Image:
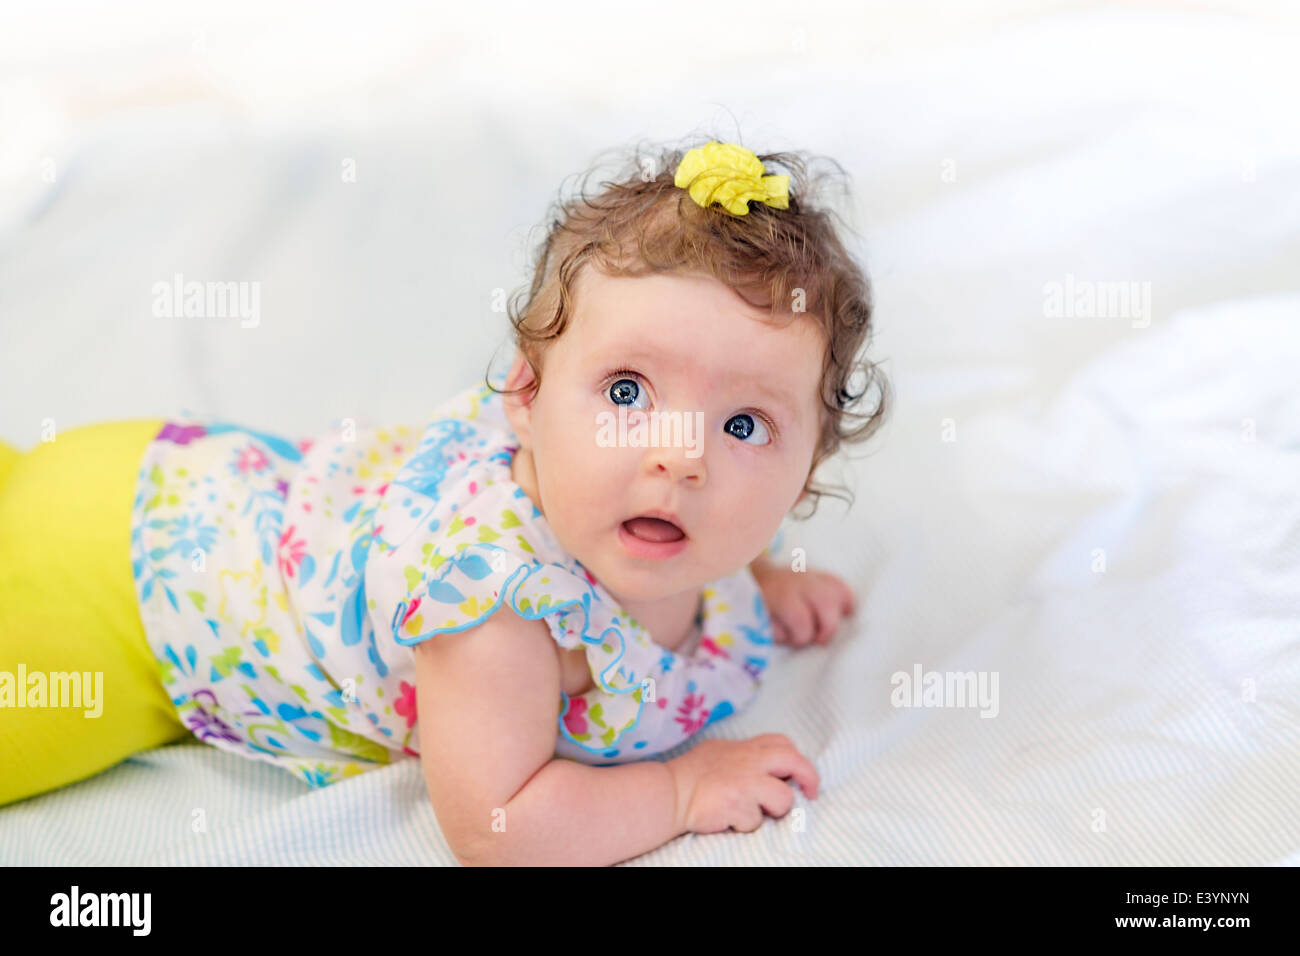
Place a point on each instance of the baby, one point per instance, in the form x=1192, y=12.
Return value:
x=565, y=571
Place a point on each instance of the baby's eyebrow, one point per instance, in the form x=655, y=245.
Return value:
x=778, y=396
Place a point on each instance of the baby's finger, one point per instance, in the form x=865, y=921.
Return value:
x=836, y=605
x=775, y=796
x=825, y=616
x=786, y=762
x=838, y=594
x=799, y=621
x=779, y=634
x=850, y=599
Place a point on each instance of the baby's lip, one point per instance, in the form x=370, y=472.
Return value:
x=663, y=516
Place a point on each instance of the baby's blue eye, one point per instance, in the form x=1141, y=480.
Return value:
x=625, y=391
x=743, y=426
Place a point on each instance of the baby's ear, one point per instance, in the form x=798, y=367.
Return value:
x=518, y=406
x=520, y=374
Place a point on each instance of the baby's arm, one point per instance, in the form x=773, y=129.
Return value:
x=488, y=702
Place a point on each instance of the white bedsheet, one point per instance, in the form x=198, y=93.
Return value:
x=1102, y=512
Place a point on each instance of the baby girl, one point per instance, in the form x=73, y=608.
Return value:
x=530, y=601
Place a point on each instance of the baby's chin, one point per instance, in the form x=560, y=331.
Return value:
x=646, y=583
x=638, y=592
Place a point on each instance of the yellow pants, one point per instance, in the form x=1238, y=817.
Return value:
x=68, y=604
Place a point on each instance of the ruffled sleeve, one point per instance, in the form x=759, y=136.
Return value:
x=635, y=711
x=646, y=699
x=439, y=594
x=449, y=556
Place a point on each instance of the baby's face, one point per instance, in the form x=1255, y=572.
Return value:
x=745, y=394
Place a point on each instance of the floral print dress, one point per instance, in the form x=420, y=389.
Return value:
x=283, y=585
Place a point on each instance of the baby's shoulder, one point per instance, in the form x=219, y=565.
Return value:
x=495, y=659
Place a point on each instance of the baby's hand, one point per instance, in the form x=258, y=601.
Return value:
x=725, y=784
x=805, y=606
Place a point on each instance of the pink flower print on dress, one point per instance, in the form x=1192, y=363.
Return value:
x=574, y=722
x=410, y=611
x=405, y=705
x=251, y=459
x=713, y=648
x=289, y=554
x=690, y=724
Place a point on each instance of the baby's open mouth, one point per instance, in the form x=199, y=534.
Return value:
x=653, y=529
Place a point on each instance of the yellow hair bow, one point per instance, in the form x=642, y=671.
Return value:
x=730, y=175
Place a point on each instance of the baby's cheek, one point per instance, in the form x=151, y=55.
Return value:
x=596, y=479
x=741, y=522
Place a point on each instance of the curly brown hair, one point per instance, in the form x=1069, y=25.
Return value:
x=787, y=261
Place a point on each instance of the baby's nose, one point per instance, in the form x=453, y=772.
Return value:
x=680, y=461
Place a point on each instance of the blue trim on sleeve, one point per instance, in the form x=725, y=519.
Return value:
x=514, y=581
